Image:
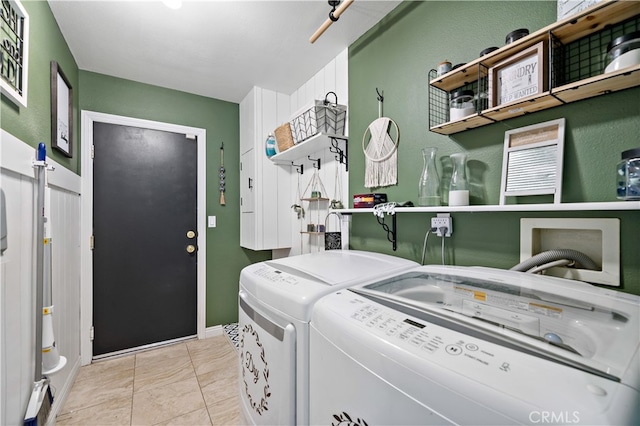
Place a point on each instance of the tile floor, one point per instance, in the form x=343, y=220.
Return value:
x=187, y=383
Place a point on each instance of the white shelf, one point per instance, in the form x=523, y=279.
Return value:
x=306, y=147
x=550, y=207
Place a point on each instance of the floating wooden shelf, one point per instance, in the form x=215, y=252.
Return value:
x=550, y=207
x=588, y=22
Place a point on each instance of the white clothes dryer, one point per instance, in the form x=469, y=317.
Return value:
x=276, y=299
x=475, y=346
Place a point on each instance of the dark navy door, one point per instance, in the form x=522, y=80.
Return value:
x=144, y=219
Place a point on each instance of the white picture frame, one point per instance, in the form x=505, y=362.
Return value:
x=14, y=52
x=532, y=161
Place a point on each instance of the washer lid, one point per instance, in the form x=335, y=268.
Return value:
x=333, y=267
x=292, y=285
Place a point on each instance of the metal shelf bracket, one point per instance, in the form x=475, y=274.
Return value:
x=342, y=156
x=379, y=212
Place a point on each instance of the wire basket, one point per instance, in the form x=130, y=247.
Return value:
x=323, y=116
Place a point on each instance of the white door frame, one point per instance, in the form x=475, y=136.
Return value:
x=86, y=256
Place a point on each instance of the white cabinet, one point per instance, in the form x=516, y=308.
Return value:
x=265, y=189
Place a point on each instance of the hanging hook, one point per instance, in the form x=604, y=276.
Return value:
x=316, y=162
x=299, y=168
x=333, y=4
x=380, y=101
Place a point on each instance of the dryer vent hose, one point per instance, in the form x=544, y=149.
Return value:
x=582, y=260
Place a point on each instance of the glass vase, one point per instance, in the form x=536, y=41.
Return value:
x=429, y=184
x=459, y=186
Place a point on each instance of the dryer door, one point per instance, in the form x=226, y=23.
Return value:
x=267, y=365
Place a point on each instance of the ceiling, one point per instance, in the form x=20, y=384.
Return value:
x=214, y=48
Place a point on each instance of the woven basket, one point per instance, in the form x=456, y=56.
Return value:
x=284, y=138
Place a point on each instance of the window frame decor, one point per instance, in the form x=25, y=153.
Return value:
x=538, y=81
x=14, y=51
x=61, y=111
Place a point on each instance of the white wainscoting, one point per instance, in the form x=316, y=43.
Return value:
x=332, y=78
x=17, y=274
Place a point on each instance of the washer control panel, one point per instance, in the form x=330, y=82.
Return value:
x=426, y=338
x=275, y=275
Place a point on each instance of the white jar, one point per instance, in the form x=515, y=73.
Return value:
x=461, y=105
x=623, y=52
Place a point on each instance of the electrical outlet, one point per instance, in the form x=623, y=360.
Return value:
x=442, y=221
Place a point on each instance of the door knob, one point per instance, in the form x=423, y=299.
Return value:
x=191, y=234
x=191, y=249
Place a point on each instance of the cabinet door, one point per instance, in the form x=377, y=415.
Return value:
x=247, y=182
x=247, y=200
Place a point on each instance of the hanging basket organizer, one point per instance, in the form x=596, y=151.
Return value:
x=332, y=239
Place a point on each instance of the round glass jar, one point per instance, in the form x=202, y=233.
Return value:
x=628, y=175
x=623, y=52
x=461, y=104
x=516, y=35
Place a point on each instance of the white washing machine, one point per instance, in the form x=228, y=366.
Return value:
x=475, y=346
x=275, y=304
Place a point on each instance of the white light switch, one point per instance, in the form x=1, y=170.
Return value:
x=212, y=221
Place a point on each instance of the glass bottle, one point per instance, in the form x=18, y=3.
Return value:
x=270, y=146
x=429, y=184
x=459, y=187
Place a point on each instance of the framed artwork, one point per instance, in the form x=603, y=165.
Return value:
x=532, y=161
x=14, y=51
x=61, y=111
x=518, y=77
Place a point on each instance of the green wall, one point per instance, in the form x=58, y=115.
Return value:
x=220, y=119
x=396, y=55
x=101, y=93
x=33, y=124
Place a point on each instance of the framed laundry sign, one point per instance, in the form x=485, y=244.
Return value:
x=518, y=77
x=61, y=111
x=532, y=161
x=14, y=51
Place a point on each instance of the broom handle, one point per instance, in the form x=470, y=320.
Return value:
x=39, y=268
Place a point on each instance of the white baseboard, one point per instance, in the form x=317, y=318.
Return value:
x=60, y=395
x=214, y=331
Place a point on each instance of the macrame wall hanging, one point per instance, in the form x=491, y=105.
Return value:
x=381, y=151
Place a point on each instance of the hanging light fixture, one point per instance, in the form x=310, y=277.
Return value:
x=333, y=16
